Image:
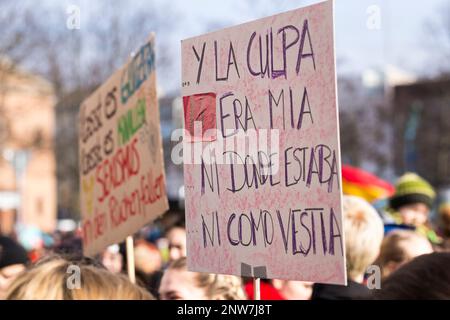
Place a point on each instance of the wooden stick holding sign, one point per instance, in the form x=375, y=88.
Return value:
x=256, y=289
x=130, y=259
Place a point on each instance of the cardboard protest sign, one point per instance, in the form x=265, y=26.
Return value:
x=122, y=178
x=261, y=149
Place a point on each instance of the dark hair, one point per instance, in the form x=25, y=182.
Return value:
x=425, y=277
x=11, y=252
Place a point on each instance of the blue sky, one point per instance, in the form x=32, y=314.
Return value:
x=401, y=39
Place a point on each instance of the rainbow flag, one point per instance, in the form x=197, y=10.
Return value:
x=358, y=182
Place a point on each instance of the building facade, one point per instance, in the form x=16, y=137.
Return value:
x=27, y=161
x=421, y=114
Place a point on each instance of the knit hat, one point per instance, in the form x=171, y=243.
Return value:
x=11, y=253
x=411, y=188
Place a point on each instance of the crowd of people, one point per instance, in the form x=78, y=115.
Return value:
x=404, y=241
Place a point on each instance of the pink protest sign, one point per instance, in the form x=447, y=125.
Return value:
x=263, y=198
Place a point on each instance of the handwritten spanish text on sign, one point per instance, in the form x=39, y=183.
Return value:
x=263, y=196
x=121, y=164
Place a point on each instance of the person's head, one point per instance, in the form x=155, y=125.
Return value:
x=399, y=247
x=293, y=290
x=177, y=243
x=413, y=199
x=179, y=284
x=147, y=257
x=425, y=277
x=444, y=218
x=112, y=259
x=363, y=233
x=60, y=279
x=13, y=260
x=69, y=243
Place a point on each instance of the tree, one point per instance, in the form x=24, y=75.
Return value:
x=437, y=37
x=16, y=23
x=76, y=61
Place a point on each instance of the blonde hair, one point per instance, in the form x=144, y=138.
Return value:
x=216, y=286
x=394, y=248
x=363, y=231
x=50, y=280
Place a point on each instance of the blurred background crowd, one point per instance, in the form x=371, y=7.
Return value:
x=394, y=97
x=409, y=250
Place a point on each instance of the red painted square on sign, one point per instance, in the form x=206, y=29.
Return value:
x=200, y=117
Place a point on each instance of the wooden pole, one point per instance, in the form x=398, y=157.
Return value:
x=256, y=289
x=130, y=259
